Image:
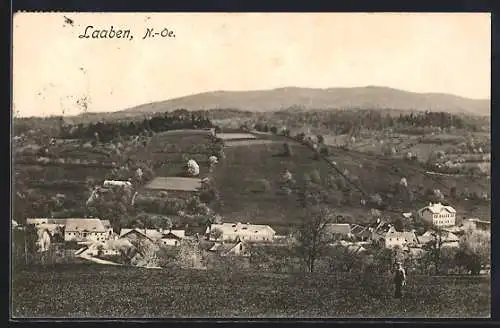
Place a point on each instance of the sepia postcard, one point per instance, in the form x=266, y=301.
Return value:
x=251, y=165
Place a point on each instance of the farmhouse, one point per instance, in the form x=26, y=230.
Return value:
x=86, y=230
x=403, y=239
x=245, y=232
x=239, y=248
x=173, y=238
x=79, y=229
x=438, y=214
x=448, y=239
x=166, y=237
x=339, y=230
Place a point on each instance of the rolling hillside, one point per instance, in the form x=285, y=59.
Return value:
x=308, y=99
x=249, y=183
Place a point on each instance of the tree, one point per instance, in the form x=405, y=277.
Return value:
x=300, y=136
x=274, y=130
x=453, y=192
x=474, y=250
x=165, y=223
x=313, y=236
x=398, y=224
x=216, y=233
x=320, y=138
x=24, y=244
x=434, y=248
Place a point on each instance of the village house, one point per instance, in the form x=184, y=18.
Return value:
x=401, y=239
x=173, y=237
x=476, y=224
x=448, y=239
x=75, y=229
x=98, y=249
x=38, y=221
x=245, y=232
x=86, y=230
x=339, y=230
x=438, y=214
x=238, y=248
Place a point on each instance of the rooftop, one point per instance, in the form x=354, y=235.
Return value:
x=246, y=228
x=175, y=184
x=87, y=225
x=437, y=208
x=154, y=234
x=339, y=228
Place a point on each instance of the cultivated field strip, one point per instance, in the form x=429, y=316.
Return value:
x=249, y=142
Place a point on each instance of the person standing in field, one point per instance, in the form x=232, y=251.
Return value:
x=399, y=280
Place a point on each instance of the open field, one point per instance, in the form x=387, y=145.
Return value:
x=235, y=136
x=90, y=290
x=175, y=183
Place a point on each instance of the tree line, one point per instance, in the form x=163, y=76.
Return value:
x=345, y=122
x=106, y=131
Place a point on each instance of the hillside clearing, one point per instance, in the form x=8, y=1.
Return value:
x=264, y=163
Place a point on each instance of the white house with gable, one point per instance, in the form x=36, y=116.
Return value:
x=243, y=231
x=438, y=214
x=86, y=230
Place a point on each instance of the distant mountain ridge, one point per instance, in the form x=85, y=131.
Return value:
x=370, y=97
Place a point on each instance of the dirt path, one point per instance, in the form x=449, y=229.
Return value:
x=444, y=174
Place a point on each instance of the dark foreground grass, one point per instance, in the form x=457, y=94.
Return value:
x=102, y=291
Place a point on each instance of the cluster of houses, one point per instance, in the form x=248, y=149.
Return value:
x=233, y=238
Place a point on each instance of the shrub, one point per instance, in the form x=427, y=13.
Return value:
x=288, y=149
x=259, y=186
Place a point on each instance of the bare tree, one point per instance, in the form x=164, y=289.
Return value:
x=313, y=236
x=216, y=234
x=435, y=246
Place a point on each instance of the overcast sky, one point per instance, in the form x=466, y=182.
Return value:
x=53, y=68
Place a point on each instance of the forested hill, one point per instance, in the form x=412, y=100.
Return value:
x=321, y=99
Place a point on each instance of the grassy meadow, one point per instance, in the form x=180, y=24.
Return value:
x=90, y=290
